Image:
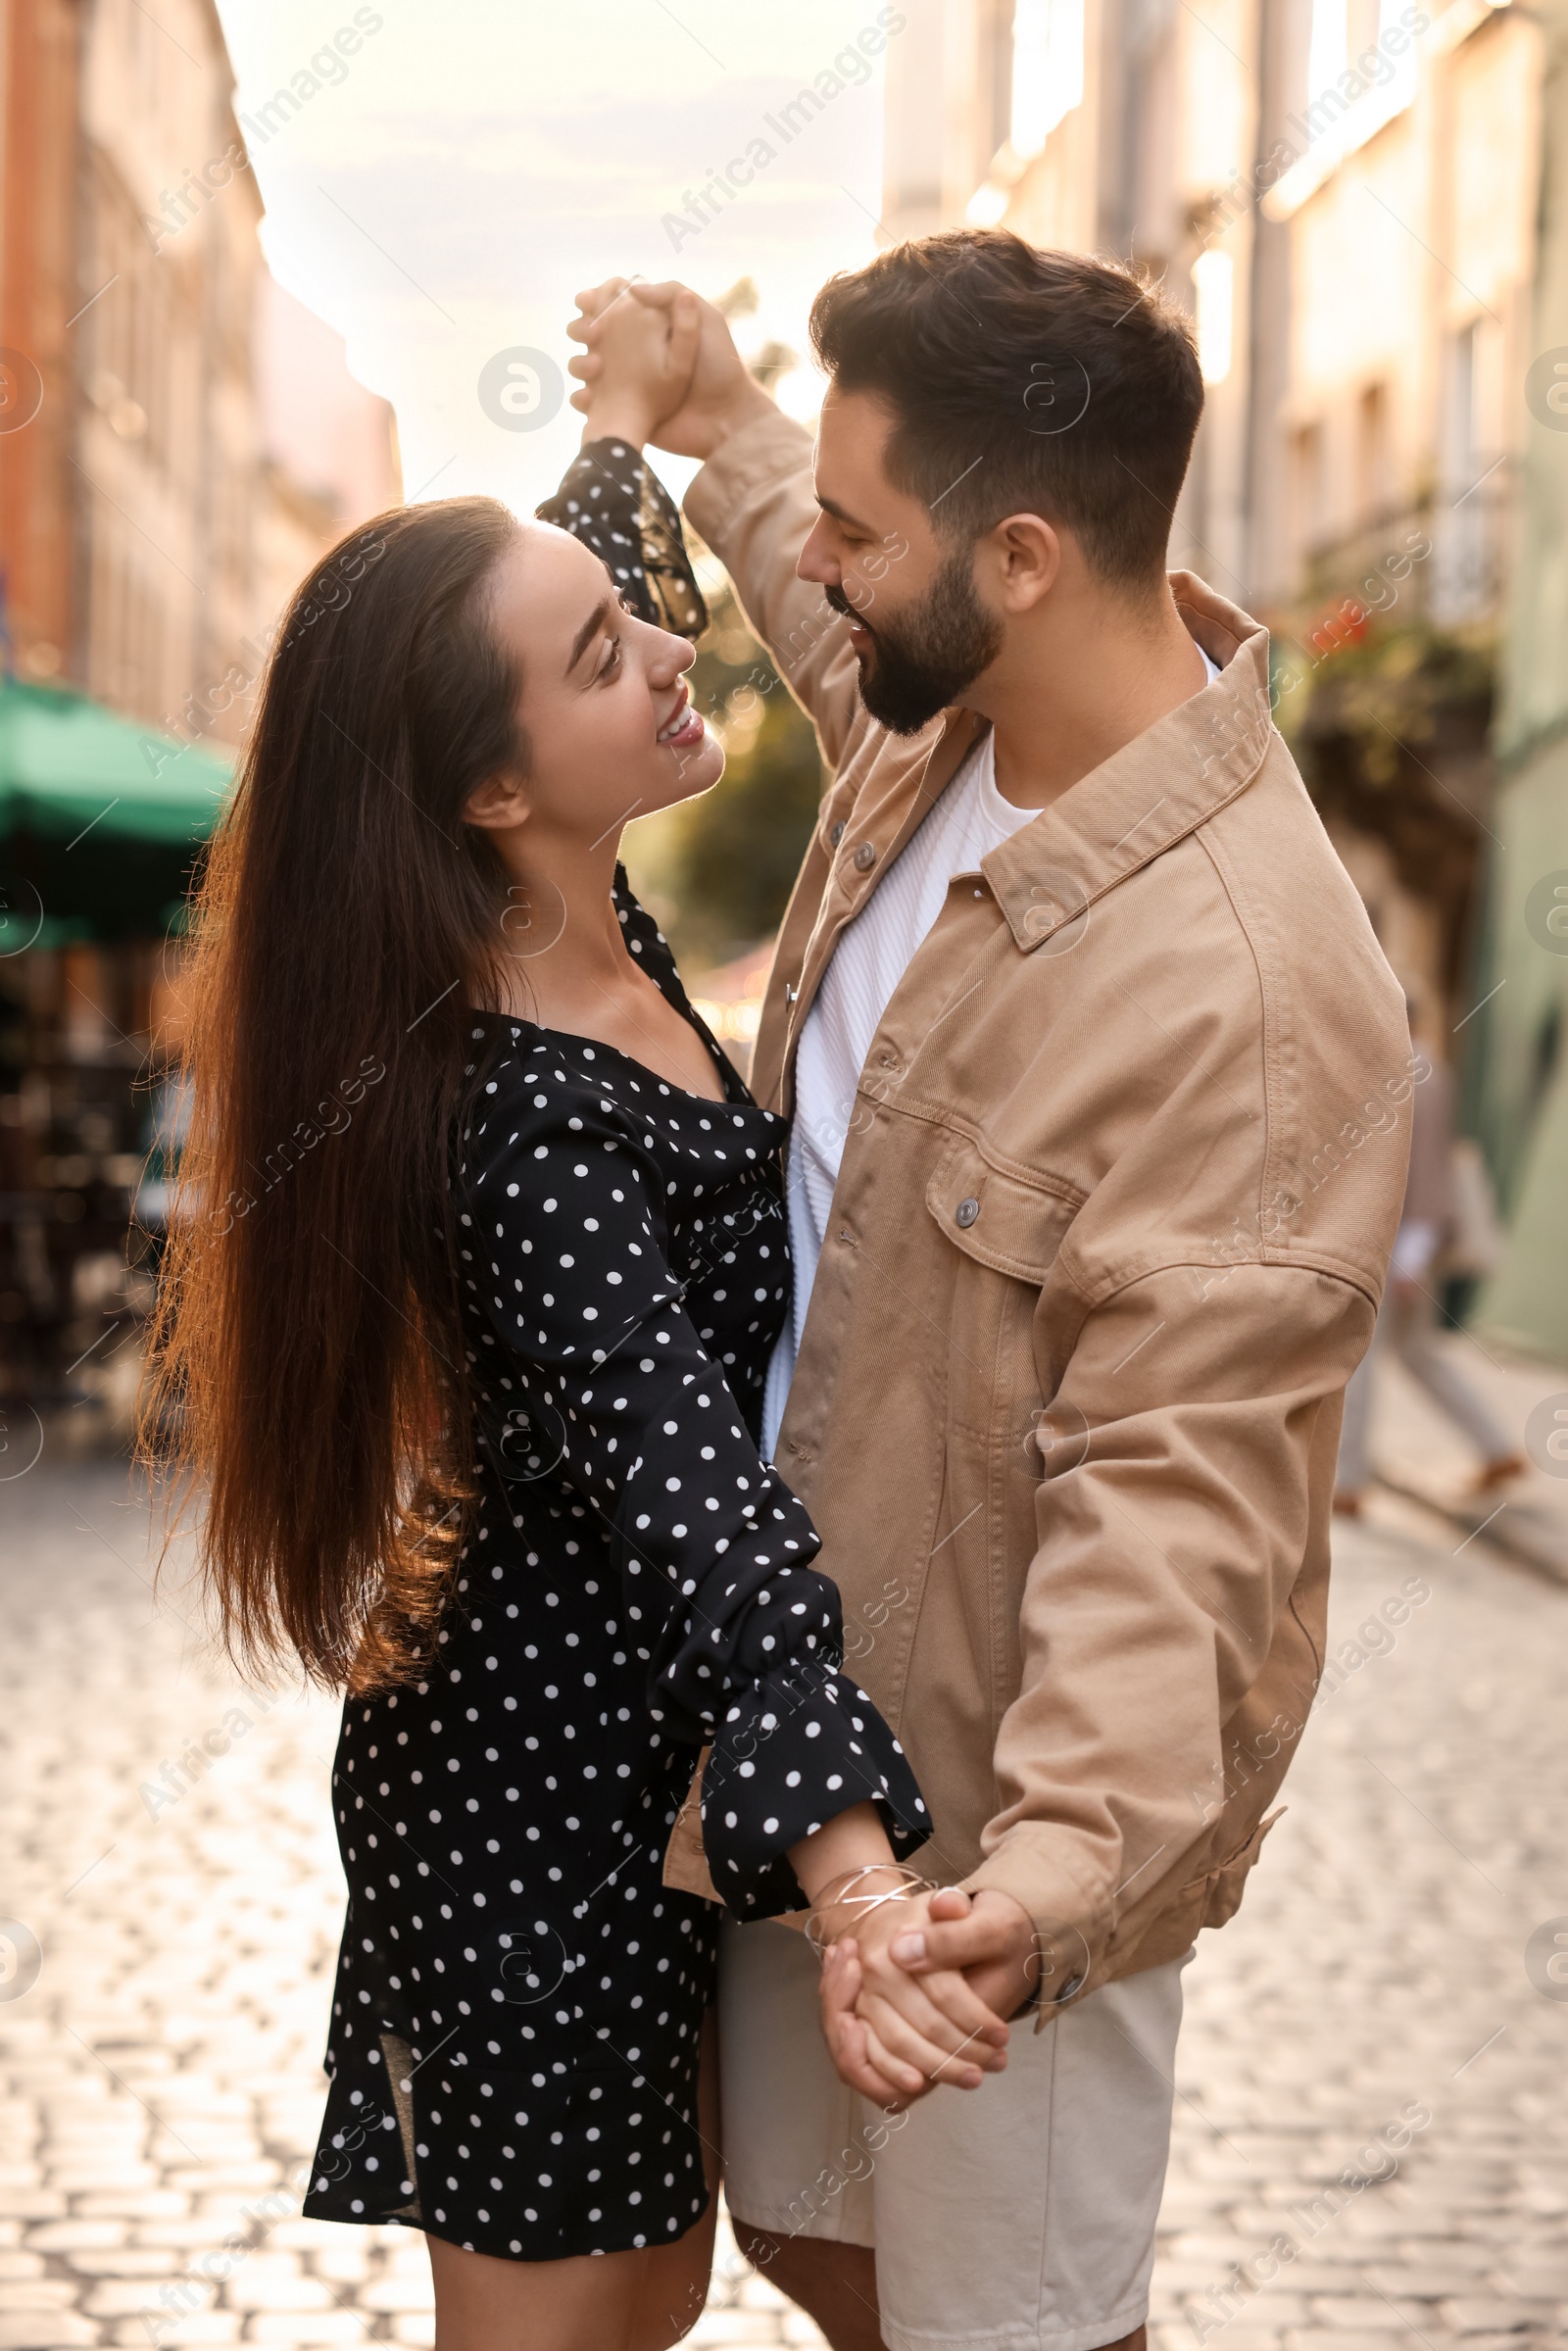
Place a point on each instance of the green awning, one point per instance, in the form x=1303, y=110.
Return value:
x=69, y=766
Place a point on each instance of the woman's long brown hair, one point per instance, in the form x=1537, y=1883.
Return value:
x=307, y=1361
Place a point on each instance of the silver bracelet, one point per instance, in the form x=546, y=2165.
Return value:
x=863, y=1905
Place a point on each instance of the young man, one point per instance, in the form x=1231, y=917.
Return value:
x=1096, y=1075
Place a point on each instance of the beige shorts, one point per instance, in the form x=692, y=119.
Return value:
x=1016, y=2215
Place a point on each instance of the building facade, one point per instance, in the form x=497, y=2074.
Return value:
x=159, y=495
x=168, y=436
x=1347, y=198
x=1519, y=1073
x=1341, y=192
x=40, y=100
x=179, y=442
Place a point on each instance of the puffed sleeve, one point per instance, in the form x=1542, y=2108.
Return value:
x=562, y=1229
x=615, y=501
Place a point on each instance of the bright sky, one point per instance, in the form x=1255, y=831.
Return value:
x=443, y=193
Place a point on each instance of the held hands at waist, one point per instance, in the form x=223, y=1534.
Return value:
x=915, y=1987
x=892, y=2037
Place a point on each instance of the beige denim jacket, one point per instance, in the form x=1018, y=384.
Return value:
x=1117, y=1195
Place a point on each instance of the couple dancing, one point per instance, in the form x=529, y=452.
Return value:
x=568, y=1398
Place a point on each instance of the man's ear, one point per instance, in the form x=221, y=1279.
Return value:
x=1023, y=554
x=499, y=804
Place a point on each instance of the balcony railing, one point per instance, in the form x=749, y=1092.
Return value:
x=1442, y=560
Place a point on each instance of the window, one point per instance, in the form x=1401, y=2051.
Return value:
x=1047, y=69
x=1306, y=521
x=1471, y=519
x=1343, y=105
x=1372, y=486
x=1463, y=437
x=1330, y=49
x=1214, y=290
x=996, y=76
x=1344, y=31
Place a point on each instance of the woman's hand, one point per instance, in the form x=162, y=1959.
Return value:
x=895, y=2038
x=844, y=1869
x=890, y=2036
x=640, y=361
x=718, y=395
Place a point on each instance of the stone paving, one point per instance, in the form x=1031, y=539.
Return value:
x=1371, y=2142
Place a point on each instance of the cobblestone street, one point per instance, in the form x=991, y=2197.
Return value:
x=1371, y=2142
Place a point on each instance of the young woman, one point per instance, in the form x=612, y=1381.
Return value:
x=465, y=1319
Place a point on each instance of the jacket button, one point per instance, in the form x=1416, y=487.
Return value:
x=865, y=857
x=966, y=1212
x=836, y=834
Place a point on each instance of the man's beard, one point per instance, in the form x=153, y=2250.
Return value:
x=924, y=657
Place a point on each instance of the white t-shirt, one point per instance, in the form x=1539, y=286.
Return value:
x=970, y=819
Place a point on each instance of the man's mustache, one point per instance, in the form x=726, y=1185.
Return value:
x=841, y=603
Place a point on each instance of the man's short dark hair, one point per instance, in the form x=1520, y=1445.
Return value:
x=1023, y=381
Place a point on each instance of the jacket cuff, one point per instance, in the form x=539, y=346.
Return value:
x=769, y=449
x=1072, y=1924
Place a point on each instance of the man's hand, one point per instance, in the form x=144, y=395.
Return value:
x=721, y=395
x=892, y=2037
x=989, y=1936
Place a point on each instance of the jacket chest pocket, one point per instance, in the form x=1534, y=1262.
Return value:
x=1001, y=1225
x=1009, y=1222
x=1003, y=1233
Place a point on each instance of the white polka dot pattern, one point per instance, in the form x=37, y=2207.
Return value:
x=635, y=1583
x=615, y=504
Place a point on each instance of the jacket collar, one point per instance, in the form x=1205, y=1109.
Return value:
x=914, y=776
x=1152, y=791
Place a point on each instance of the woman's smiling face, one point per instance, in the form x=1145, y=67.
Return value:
x=610, y=728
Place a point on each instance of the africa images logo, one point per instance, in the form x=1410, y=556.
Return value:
x=1547, y=389
x=521, y=389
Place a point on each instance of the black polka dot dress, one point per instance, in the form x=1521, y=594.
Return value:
x=519, y=1996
